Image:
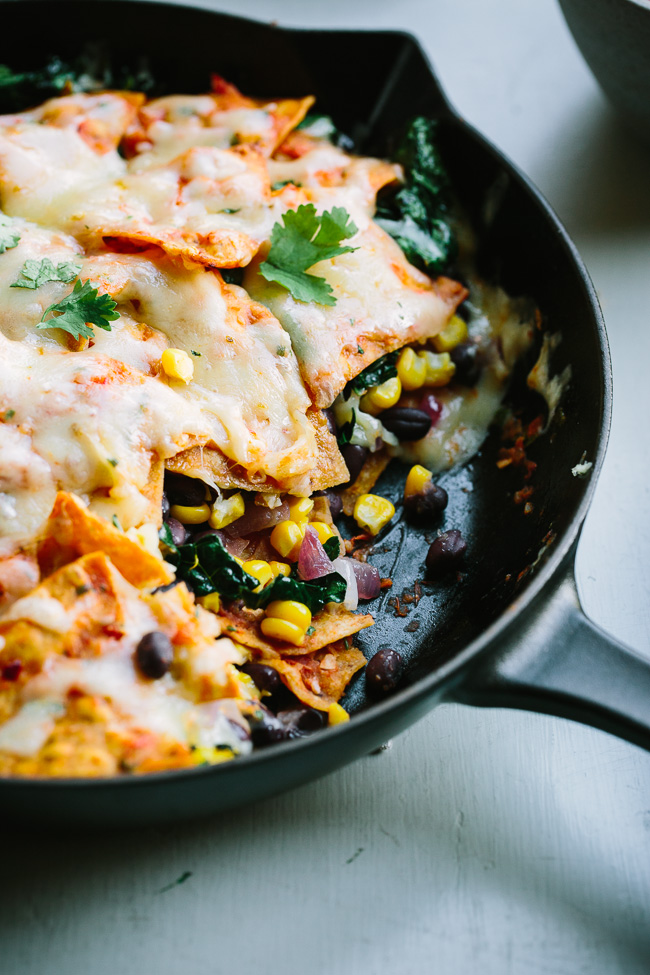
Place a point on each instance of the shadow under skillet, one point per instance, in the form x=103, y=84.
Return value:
x=597, y=177
x=149, y=889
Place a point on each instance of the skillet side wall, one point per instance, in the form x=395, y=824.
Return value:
x=521, y=248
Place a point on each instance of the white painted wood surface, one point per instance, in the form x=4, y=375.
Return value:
x=495, y=842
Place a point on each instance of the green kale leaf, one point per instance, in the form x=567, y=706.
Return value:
x=375, y=374
x=417, y=216
x=8, y=236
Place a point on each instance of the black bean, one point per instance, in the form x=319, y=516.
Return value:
x=177, y=531
x=406, y=423
x=354, y=457
x=426, y=505
x=266, y=729
x=336, y=504
x=154, y=654
x=446, y=552
x=302, y=719
x=165, y=505
x=468, y=364
x=206, y=532
x=266, y=678
x=242, y=733
x=184, y=490
x=331, y=422
x=384, y=672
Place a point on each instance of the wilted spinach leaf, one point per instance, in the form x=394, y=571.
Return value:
x=417, y=216
x=376, y=373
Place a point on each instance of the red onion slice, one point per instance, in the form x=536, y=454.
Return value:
x=368, y=579
x=313, y=561
x=344, y=568
x=256, y=518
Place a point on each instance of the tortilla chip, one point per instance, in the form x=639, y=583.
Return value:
x=73, y=530
x=78, y=611
x=330, y=467
x=319, y=680
x=210, y=464
x=280, y=117
x=370, y=473
x=331, y=624
x=217, y=249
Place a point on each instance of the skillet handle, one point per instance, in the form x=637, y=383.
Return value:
x=558, y=662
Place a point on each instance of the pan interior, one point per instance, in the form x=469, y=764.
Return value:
x=521, y=248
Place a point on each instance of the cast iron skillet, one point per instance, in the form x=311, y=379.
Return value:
x=511, y=631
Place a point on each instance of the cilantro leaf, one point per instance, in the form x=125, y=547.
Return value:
x=8, y=236
x=83, y=307
x=417, y=215
x=35, y=273
x=302, y=240
x=376, y=373
x=91, y=71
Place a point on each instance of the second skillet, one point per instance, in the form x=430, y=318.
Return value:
x=511, y=632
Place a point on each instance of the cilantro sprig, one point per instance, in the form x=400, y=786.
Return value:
x=9, y=237
x=35, y=273
x=83, y=307
x=303, y=239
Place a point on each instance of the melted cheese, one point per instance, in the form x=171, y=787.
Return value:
x=503, y=330
x=92, y=421
x=382, y=303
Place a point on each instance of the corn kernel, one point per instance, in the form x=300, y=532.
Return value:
x=382, y=397
x=260, y=570
x=372, y=512
x=439, y=369
x=247, y=687
x=238, y=560
x=227, y=510
x=416, y=481
x=452, y=335
x=300, y=509
x=280, y=569
x=286, y=538
x=276, y=629
x=323, y=530
x=177, y=365
x=211, y=602
x=211, y=756
x=190, y=514
x=291, y=611
x=336, y=714
x=411, y=369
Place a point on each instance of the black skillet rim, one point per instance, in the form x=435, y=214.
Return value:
x=514, y=610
